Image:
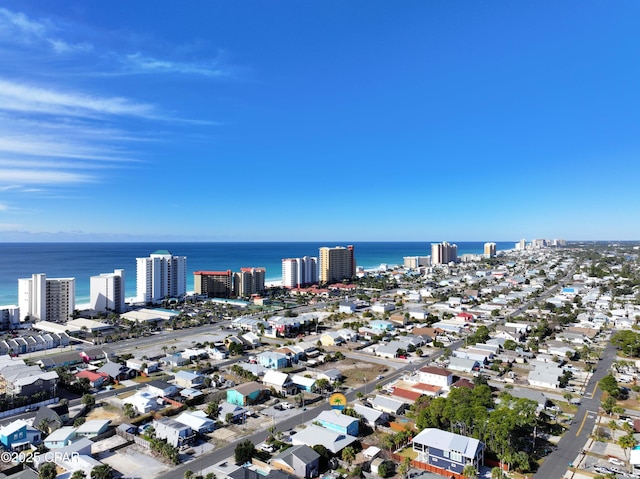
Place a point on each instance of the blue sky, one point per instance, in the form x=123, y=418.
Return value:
x=317, y=120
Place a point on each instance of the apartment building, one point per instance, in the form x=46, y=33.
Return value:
x=248, y=281
x=444, y=253
x=161, y=275
x=46, y=299
x=107, y=292
x=299, y=272
x=213, y=284
x=336, y=264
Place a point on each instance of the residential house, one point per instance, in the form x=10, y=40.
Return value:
x=143, y=402
x=300, y=460
x=280, y=382
x=174, y=360
x=332, y=440
x=381, y=325
x=388, y=405
x=197, y=421
x=436, y=376
x=331, y=375
x=54, y=416
x=448, y=451
x=247, y=394
x=189, y=379
x=304, y=383
x=96, y=380
x=463, y=364
x=145, y=366
x=174, y=432
x=371, y=417
x=251, y=340
x=161, y=388
x=13, y=436
x=338, y=422
x=545, y=375
x=273, y=360
x=93, y=428
x=238, y=413
x=331, y=338
x=60, y=437
x=117, y=372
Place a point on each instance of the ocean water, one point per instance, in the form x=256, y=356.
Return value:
x=83, y=260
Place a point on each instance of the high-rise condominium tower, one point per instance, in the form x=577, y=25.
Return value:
x=107, y=292
x=160, y=276
x=489, y=250
x=248, y=281
x=444, y=253
x=298, y=272
x=337, y=264
x=46, y=299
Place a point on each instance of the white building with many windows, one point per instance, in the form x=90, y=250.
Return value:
x=161, y=275
x=46, y=299
x=298, y=272
x=107, y=292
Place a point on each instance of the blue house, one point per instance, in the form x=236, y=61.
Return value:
x=381, y=325
x=339, y=422
x=14, y=435
x=272, y=360
x=448, y=451
x=247, y=394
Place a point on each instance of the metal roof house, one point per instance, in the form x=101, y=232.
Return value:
x=448, y=451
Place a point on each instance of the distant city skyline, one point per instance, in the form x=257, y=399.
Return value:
x=307, y=121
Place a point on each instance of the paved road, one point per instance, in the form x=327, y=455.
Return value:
x=575, y=439
x=220, y=454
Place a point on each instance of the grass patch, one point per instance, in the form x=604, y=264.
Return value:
x=408, y=452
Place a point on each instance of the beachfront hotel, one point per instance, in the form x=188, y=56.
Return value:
x=299, y=272
x=213, y=284
x=46, y=299
x=248, y=281
x=107, y=292
x=336, y=264
x=489, y=250
x=444, y=253
x=161, y=276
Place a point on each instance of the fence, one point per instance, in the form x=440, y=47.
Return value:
x=22, y=409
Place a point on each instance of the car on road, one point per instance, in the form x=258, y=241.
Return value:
x=31, y=409
x=602, y=470
x=379, y=376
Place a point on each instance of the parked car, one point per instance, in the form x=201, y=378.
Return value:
x=287, y=405
x=615, y=461
x=270, y=448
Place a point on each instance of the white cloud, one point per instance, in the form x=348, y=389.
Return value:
x=138, y=63
x=20, y=97
x=12, y=176
x=61, y=47
x=12, y=23
x=4, y=207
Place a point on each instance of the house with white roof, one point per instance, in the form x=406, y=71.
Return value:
x=448, y=451
x=197, y=421
x=304, y=383
x=280, y=382
x=388, y=405
x=332, y=440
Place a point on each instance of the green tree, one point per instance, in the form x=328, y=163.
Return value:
x=89, y=401
x=386, y=469
x=78, y=474
x=102, y=471
x=188, y=474
x=47, y=471
x=470, y=472
x=609, y=404
x=129, y=410
x=212, y=409
x=627, y=442
x=348, y=454
x=244, y=452
x=403, y=470
x=610, y=385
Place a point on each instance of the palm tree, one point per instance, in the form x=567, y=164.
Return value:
x=78, y=474
x=47, y=471
x=496, y=473
x=469, y=471
x=627, y=442
x=613, y=425
x=102, y=471
x=348, y=454
x=188, y=474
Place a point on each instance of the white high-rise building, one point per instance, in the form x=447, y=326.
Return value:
x=444, y=253
x=521, y=245
x=107, y=292
x=9, y=317
x=46, y=299
x=160, y=276
x=298, y=272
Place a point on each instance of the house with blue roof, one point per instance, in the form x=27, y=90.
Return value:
x=272, y=360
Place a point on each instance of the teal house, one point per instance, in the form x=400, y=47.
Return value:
x=247, y=394
x=14, y=435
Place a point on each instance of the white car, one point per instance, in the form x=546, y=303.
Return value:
x=616, y=461
x=287, y=405
x=270, y=448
